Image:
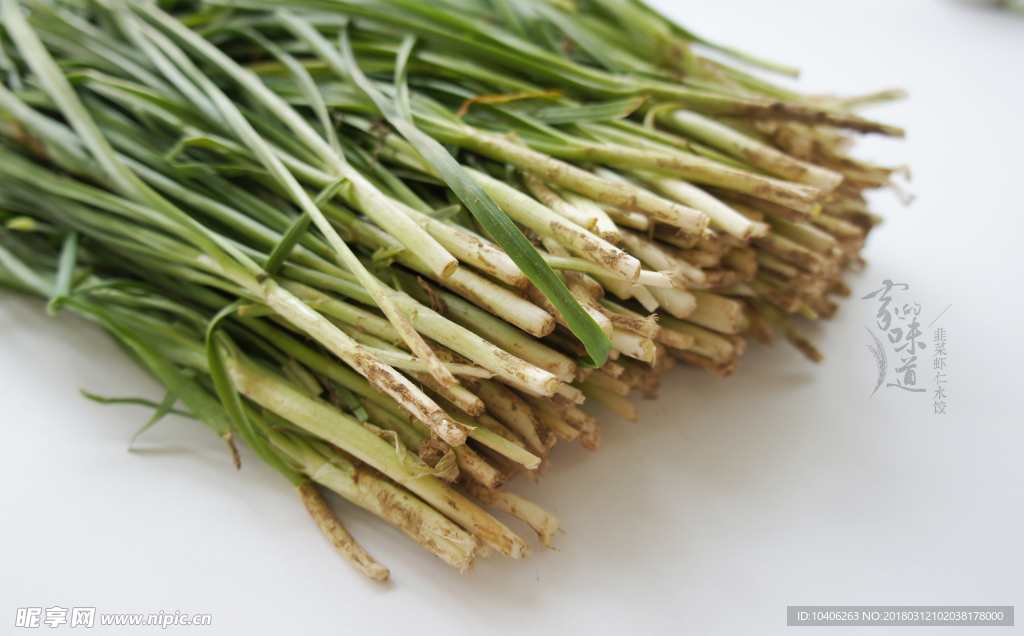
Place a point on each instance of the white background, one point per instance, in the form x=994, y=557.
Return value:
x=783, y=485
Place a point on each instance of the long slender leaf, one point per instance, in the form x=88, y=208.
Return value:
x=596, y=112
x=287, y=244
x=216, y=349
x=99, y=399
x=299, y=227
x=162, y=410
x=194, y=396
x=65, y=272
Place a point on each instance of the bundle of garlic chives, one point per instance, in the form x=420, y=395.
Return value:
x=571, y=198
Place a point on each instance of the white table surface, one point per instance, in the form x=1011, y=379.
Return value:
x=731, y=499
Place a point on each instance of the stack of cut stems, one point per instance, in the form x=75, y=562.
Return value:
x=395, y=246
